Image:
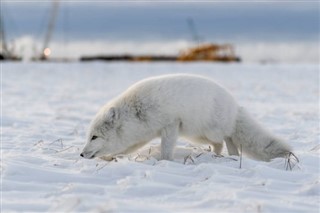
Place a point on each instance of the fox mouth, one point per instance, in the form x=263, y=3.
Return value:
x=89, y=155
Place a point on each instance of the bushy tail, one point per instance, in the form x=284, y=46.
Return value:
x=255, y=141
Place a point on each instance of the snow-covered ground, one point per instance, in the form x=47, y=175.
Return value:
x=46, y=108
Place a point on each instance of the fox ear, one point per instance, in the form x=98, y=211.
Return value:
x=112, y=115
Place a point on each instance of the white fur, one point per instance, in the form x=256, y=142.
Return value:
x=170, y=106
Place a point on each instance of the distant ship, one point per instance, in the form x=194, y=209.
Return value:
x=200, y=52
x=203, y=52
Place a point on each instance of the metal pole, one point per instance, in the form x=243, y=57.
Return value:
x=51, y=25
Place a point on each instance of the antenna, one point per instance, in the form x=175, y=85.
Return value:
x=193, y=30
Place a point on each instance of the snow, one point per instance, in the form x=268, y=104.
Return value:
x=46, y=108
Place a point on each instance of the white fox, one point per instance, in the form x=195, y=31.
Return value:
x=193, y=107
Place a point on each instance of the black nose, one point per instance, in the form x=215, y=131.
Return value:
x=81, y=154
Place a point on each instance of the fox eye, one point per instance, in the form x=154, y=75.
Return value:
x=94, y=137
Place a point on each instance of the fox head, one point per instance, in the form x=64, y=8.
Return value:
x=104, y=135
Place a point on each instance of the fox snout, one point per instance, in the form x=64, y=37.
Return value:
x=89, y=155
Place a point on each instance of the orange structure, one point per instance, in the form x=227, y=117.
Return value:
x=209, y=52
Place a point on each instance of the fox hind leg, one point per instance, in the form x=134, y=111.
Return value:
x=217, y=148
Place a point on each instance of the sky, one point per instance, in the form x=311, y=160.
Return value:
x=246, y=22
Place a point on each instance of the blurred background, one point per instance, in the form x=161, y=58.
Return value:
x=46, y=107
x=274, y=32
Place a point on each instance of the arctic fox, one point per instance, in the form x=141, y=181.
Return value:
x=190, y=106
